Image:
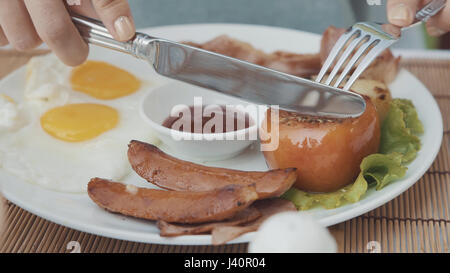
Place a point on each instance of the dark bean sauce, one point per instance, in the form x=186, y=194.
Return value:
x=239, y=120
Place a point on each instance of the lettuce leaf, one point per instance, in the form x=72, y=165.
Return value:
x=376, y=169
x=400, y=129
x=382, y=169
x=399, y=145
x=351, y=193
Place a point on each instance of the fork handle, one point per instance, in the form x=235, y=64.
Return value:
x=94, y=32
x=427, y=12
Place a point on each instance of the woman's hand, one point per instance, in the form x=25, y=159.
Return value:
x=402, y=13
x=26, y=23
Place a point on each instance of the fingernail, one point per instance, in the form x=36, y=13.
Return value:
x=434, y=31
x=399, y=14
x=124, y=28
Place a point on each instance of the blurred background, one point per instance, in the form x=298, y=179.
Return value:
x=308, y=15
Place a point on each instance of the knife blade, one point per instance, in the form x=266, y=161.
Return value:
x=230, y=76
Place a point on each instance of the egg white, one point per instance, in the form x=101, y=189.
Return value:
x=35, y=156
x=9, y=114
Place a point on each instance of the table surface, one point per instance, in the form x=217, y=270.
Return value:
x=416, y=221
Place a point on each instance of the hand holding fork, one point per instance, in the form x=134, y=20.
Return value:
x=361, y=44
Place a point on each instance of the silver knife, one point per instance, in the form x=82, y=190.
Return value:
x=230, y=76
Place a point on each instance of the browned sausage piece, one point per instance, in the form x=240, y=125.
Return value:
x=171, y=206
x=268, y=207
x=174, y=174
x=169, y=229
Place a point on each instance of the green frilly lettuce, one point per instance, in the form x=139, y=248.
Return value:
x=304, y=200
x=400, y=129
x=399, y=145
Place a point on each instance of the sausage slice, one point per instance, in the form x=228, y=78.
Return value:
x=223, y=234
x=174, y=174
x=171, y=206
x=170, y=229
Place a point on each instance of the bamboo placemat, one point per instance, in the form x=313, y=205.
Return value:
x=416, y=221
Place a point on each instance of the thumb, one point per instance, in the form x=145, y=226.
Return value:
x=116, y=15
x=401, y=12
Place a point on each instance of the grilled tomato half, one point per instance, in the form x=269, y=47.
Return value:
x=326, y=152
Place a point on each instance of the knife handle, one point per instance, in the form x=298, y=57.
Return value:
x=94, y=32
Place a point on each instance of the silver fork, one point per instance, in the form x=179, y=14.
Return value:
x=368, y=40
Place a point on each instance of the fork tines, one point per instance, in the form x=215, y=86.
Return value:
x=353, y=52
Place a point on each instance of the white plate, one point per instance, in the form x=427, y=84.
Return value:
x=79, y=212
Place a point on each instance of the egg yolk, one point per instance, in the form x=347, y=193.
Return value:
x=79, y=122
x=103, y=81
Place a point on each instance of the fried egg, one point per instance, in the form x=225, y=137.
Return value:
x=76, y=125
x=103, y=81
x=9, y=113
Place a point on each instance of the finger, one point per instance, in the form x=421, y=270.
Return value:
x=55, y=27
x=84, y=8
x=3, y=40
x=440, y=23
x=17, y=25
x=116, y=15
x=393, y=30
x=402, y=12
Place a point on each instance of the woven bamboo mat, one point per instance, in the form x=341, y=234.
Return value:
x=416, y=221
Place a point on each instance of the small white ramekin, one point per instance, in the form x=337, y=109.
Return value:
x=157, y=105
